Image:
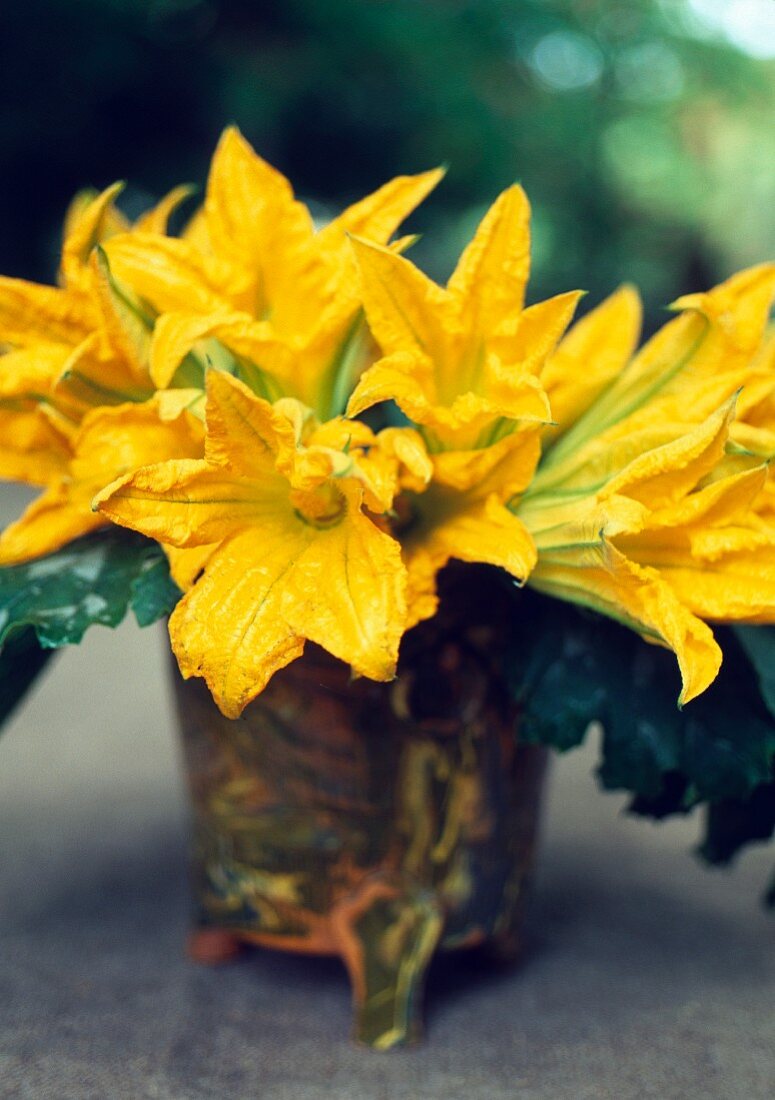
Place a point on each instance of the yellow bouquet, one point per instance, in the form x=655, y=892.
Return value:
x=301, y=432
x=213, y=392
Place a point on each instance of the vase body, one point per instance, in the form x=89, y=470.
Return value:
x=377, y=822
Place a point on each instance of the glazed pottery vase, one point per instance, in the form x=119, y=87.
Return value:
x=376, y=822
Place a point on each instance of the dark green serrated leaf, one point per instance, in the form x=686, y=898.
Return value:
x=729, y=738
x=581, y=668
x=721, y=743
x=641, y=721
x=154, y=593
x=555, y=673
x=676, y=796
x=758, y=643
x=92, y=580
x=570, y=668
x=22, y=659
x=733, y=823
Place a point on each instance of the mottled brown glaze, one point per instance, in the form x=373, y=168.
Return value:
x=376, y=822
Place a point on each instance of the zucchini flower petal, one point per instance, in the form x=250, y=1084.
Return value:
x=462, y=361
x=288, y=554
x=109, y=442
x=255, y=277
x=463, y=514
x=645, y=504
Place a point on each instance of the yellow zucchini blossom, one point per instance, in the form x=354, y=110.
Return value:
x=206, y=391
x=637, y=508
x=293, y=555
x=77, y=405
x=109, y=442
x=71, y=347
x=463, y=514
x=753, y=432
x=41, y=328
x=254, y=287
x=463, y=363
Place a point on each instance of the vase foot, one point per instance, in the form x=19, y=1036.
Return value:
x=507, y=944
x=387, y=936
x=506, y=949
x=211, y=946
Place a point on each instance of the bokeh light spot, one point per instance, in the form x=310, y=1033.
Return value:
x=565, y=61
x=649, y=71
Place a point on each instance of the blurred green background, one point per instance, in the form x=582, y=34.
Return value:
x=642, y=129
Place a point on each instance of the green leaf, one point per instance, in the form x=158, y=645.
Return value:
x=758, y=642
x=92, y=580
x=735, y=822
x=555, y=673
x=154, y=593
x=22, y=658
x=729, y=733
x=641, y=722
x=676, y=796
x=571, y=667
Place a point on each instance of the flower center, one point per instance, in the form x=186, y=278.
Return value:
x=321, y=507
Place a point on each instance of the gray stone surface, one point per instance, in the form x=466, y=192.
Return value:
x=648, y=977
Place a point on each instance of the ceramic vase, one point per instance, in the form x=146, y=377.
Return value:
x=377, y=822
